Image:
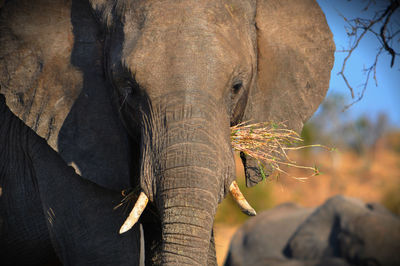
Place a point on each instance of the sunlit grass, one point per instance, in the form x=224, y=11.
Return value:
x=269, y=144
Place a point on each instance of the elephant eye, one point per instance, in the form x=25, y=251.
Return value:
x=237, y=87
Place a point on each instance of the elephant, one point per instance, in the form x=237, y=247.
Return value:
x=342, y=231
x=265, y=236
x=50, y=190
x=142, y=94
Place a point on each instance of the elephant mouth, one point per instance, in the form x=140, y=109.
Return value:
x=142, y=201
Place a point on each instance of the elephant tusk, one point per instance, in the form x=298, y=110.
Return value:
x=240, y=200
x=134, y=216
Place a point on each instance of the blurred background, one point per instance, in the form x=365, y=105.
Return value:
x=363, y=130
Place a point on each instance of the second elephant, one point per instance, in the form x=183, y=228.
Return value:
x=343, y=231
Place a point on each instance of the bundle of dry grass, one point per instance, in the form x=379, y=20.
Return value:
x=269, y=143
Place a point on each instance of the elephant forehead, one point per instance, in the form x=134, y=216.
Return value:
x=170, y=12
x=180, y=62
x=187, y=51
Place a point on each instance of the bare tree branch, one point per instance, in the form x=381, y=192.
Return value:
x=382, y=19
x=368, y=70
x=391, y=9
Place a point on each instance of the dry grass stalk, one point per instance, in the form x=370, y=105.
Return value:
x=269, y=143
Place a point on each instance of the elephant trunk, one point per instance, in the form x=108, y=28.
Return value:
x=187, y=198
x=193, y=165
x=186, y=226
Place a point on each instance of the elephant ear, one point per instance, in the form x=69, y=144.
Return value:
x=51, y=72
x=295, y=58
x=36, y=76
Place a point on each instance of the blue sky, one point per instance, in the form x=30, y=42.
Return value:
x=377, y=99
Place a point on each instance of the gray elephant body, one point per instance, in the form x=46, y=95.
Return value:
x=130, y=93
x=345, y=227
x=55, y=209
x=266, y=235
x=343, y=231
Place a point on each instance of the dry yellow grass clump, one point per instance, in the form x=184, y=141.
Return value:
x=269, y=144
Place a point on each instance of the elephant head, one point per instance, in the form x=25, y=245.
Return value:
x=182, y=73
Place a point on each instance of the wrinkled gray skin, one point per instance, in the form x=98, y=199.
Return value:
x=342, y=231
x=176, y=75
x=265, y=236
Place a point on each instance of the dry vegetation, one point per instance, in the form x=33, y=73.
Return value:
x=269, y=144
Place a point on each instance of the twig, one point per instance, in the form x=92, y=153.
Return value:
x=268, y=143
x=366, y=25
